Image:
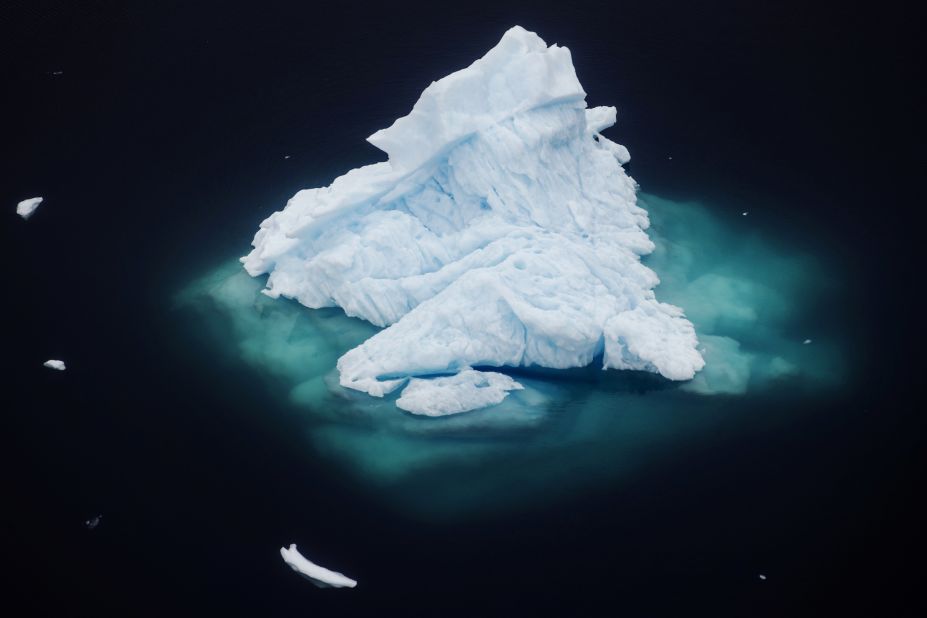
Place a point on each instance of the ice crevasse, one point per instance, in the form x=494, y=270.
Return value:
x=502, y=231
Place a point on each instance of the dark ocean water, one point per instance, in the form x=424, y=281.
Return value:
x=161, y=147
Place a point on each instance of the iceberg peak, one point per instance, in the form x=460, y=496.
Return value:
x=520, y=73
x=502, y=232
x=318, y=575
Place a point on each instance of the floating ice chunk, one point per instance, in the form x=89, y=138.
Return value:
x=744, y=213
x=26, y=207
x=465, y=391
x=320, y=576
x=763, y=577
x=54, y=364
x=502, y=231
x=286, y=156
x=806, y=342
x=93, y=522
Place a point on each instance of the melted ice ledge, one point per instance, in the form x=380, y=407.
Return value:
x=502, y=231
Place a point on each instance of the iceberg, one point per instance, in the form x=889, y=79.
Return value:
x=26, y=207
x=502, y=231
x=320, y=576
x=54, y=364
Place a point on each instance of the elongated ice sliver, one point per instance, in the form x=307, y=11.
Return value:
x=320, y=576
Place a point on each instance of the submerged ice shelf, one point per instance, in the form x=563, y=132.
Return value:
x=502, y=232
x=750, y=296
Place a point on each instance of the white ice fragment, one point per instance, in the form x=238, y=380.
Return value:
x=54, y=364
x=465, y=391
x=320, y=576
x=57, y=73
x=806, y=342
x=93, y=522
x=26, y=207
x=286, y=156
x=744, y=213
x=763, y=577
x=503, y=231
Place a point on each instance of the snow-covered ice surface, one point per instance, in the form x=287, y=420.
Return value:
x=320, y=576
x=54, y=364
x=502, y=232
x=26, y=207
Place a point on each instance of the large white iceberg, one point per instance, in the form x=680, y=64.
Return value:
x=320, y=576
x=501, y=232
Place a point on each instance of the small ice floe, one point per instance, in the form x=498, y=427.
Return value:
x=93, y=522
x=744, y=213
x=806, y=342
x=286, y=156
x=763, y=577
x=320, y=576
x=57, y=73
x=54, y=364
x=26, y=207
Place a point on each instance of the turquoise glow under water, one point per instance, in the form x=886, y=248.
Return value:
x=568, y=430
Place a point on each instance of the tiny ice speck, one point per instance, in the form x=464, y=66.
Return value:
x=54, y=364
x=93, y=522
x=806, y=342
x=763, y=577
